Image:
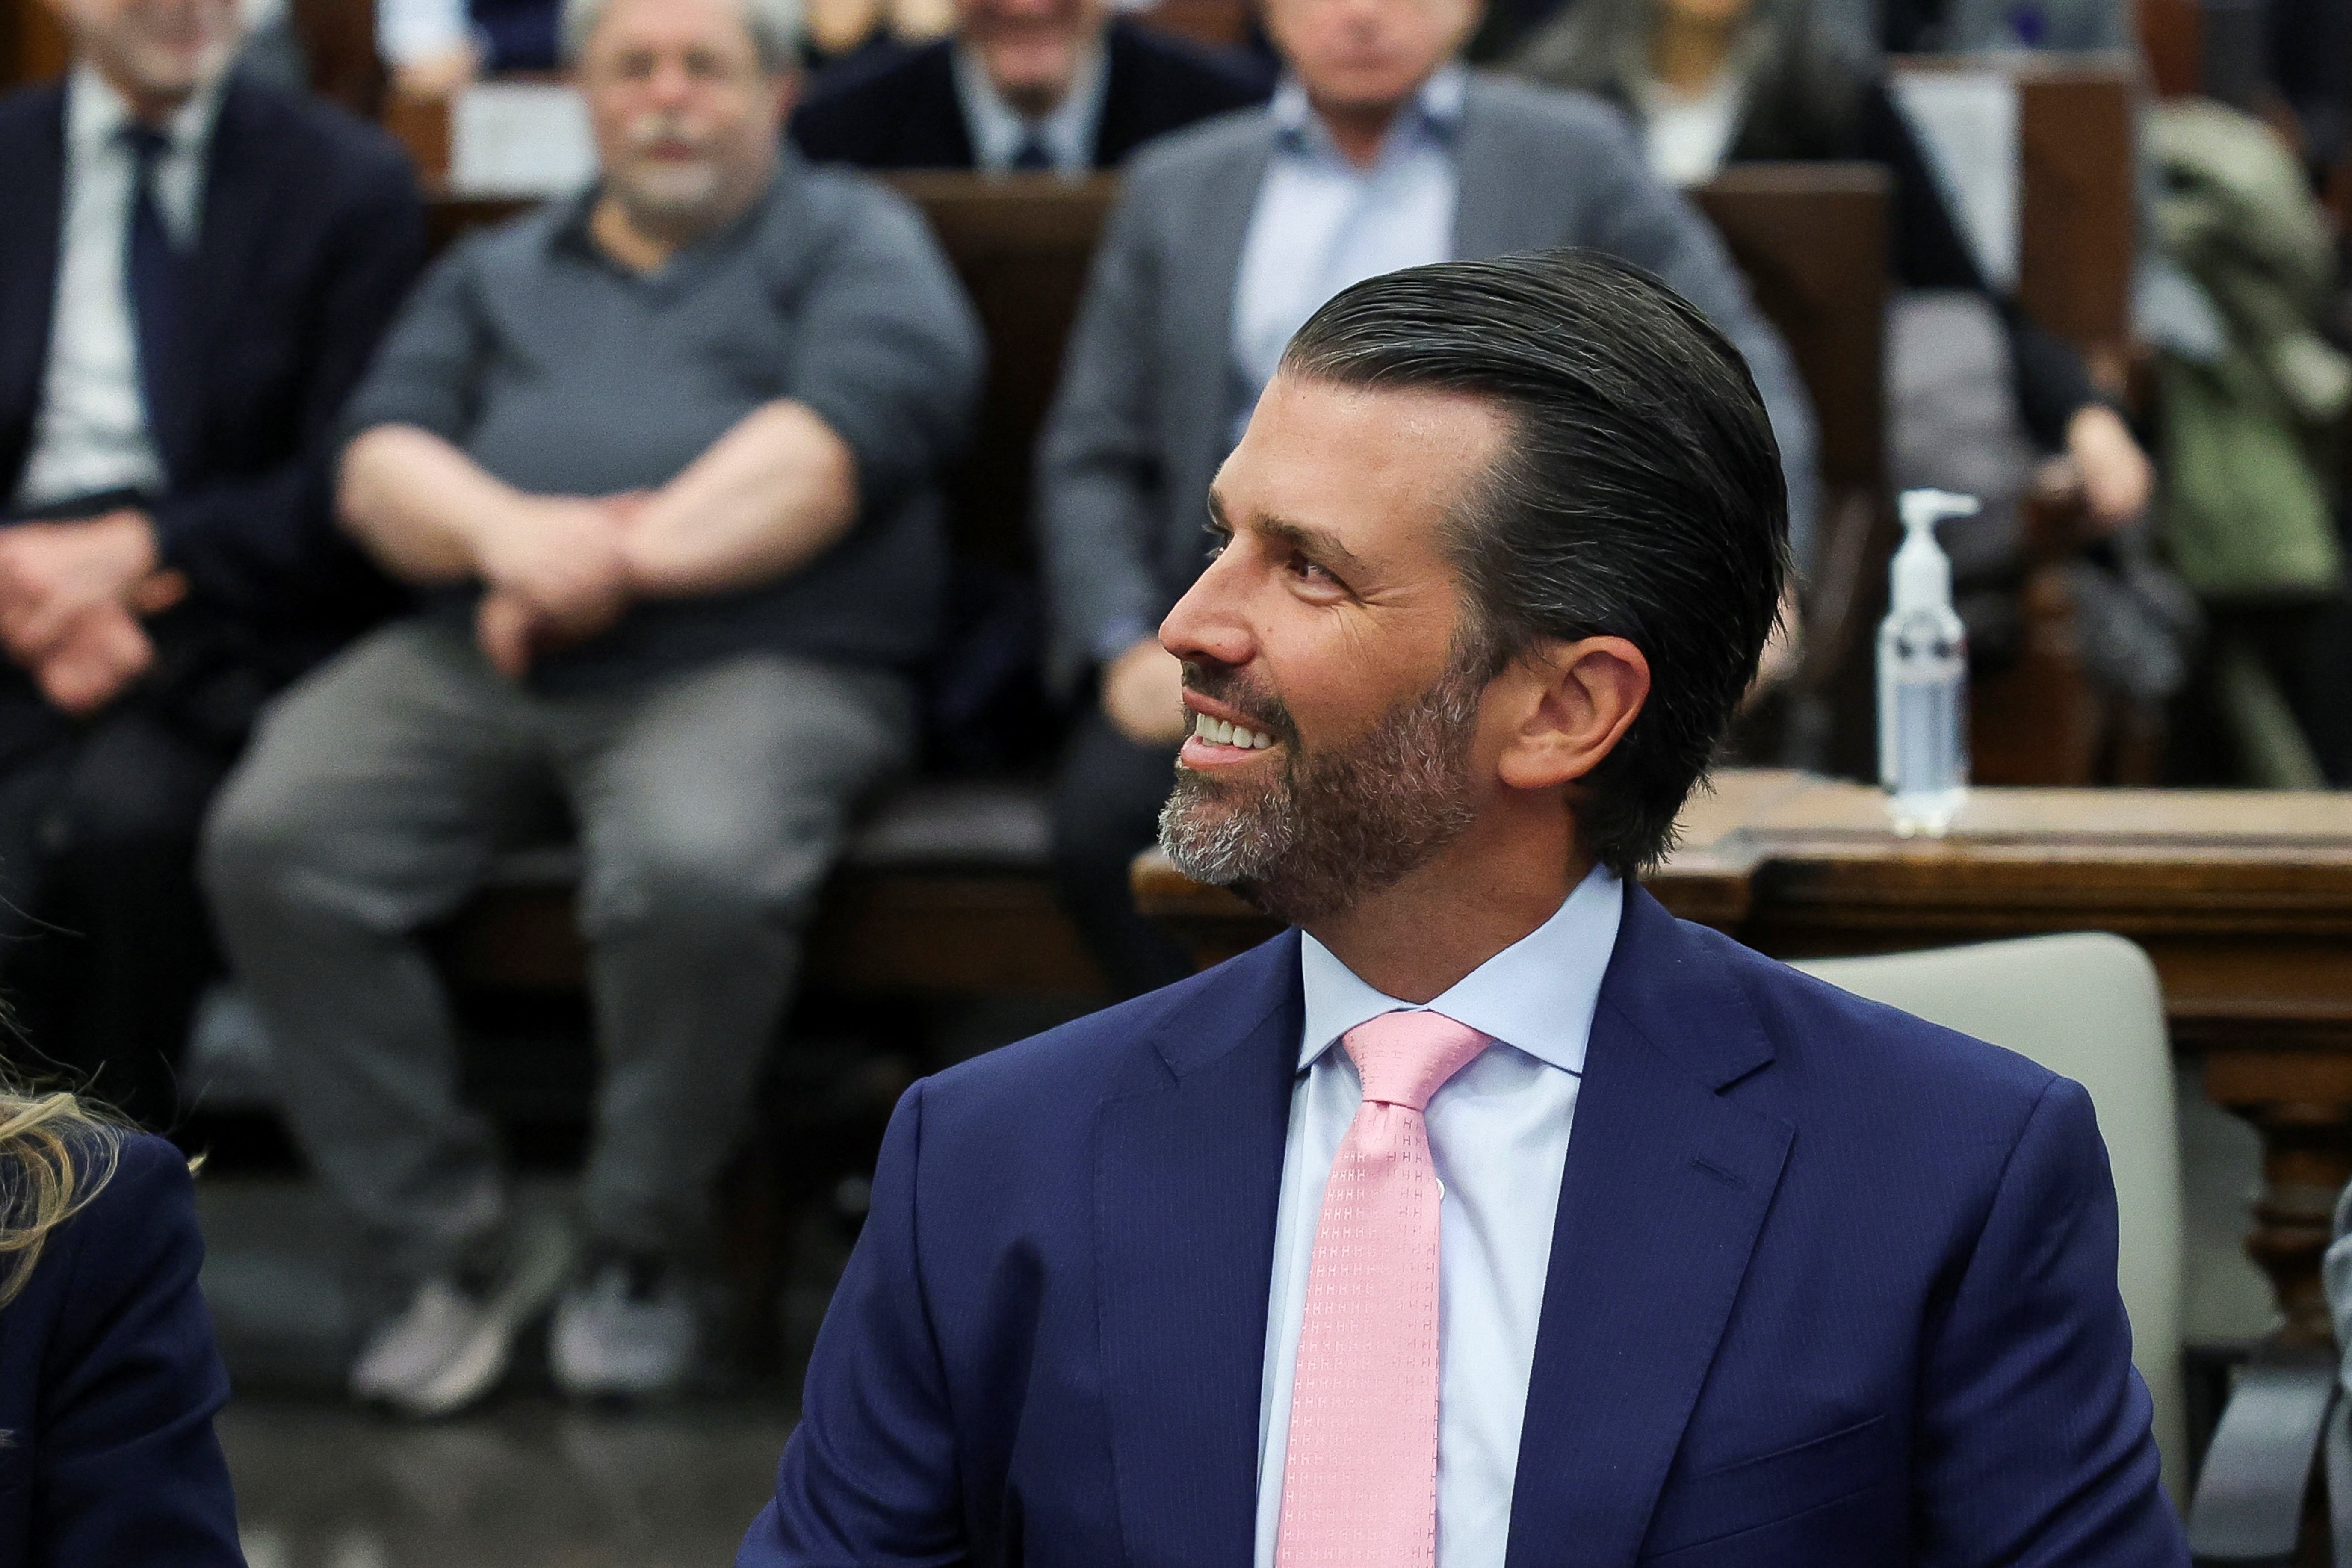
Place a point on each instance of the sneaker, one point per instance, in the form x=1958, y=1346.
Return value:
x=454, y=1343
x=624, y=1333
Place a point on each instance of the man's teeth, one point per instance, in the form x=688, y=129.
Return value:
x=1225, y=734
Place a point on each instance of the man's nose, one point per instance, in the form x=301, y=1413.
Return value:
x=671, y=83
x=1205, y=627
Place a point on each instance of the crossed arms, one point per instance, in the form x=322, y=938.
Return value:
x=762, y=501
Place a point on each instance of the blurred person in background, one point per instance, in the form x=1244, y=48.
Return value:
x=1379, y=152
x=435, y=49
x=109, y=1375
x=664, y=460
x=195, y=271
x=1037, y=86
x=1714, y=82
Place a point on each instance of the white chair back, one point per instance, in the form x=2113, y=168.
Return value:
x=2086, y=1006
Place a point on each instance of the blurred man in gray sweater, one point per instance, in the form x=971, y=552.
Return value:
x=662, y=463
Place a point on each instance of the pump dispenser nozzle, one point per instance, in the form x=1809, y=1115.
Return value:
x=1923, y=573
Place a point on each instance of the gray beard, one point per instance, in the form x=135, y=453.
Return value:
x=1338, y=824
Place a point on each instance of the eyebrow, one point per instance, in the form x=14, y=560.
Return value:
x=1316, y=543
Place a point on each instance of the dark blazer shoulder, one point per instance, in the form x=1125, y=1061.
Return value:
x=1158, y=83
x=1565, y=118
x=892, y=109
x=1133, y=1046
x=126, y=1377
x=1868, y=1064
x=30, y=116
x=312, y=140
x=143, y=1215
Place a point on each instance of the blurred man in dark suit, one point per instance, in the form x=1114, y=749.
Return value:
x=194, y=270
x=1038, y=86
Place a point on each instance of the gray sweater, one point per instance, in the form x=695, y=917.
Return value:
x=563, y=372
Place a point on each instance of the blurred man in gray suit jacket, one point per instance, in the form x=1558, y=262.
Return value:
x=1380, y=151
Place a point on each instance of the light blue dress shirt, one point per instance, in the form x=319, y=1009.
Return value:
x=1498, y=1133
x=1321, y=223
x=998, y=130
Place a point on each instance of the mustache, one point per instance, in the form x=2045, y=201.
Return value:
x=1264, y=710
x=658, y=126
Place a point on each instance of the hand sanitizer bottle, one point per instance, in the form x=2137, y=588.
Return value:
x=1923, y=675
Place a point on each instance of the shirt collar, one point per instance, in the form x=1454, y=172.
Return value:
x=95, y=113
x=998, y=129
x=1436, y=109
x=1536, y=995
x=571, y=232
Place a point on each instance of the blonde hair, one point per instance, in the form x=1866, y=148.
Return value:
x=55, y=1153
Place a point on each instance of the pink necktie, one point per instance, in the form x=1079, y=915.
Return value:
x=1360, y=1486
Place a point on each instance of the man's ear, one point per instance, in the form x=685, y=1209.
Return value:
x=1575, y=704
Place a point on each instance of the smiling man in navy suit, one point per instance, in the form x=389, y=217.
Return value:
x=1491, y=1219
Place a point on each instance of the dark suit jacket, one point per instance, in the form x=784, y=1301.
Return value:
x=312, y=232
x=1828, y=1285
x=901, y=112
x=109, y=1383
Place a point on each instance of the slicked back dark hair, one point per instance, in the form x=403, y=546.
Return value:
x=1640, y=495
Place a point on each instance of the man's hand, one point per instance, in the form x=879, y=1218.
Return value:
x=100, y=654
x=2116, y=479
x=1143, y=694
x=562, y=557
x=54, y=575
x=554, y=572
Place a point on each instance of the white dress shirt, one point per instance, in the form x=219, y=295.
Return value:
x=1686, y=134
x=91, y=433
x=998, y=131
x=1321, y=223
x=1498, y=1133
x=409, y=30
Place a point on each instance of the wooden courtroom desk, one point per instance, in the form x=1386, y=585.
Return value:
x=2242, y=898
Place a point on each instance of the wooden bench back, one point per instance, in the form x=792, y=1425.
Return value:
x=2077, y=182
x=33, y=45
x=1022, y=246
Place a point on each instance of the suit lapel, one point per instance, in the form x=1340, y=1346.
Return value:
x=32, y=191
x=934, y=134
x=1188, y=1172
x=1492, y=194
x=1666, y=1187
x=1198, y=359
x=1120, y=127
x=236, y=225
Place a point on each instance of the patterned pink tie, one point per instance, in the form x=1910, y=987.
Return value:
x=1360, y=1486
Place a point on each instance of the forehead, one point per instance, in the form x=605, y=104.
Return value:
x=656, y=24
x=1380, y=470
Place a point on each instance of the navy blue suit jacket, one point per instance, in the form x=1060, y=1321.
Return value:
x=312, y=231
x=900, y=110
x=109, y=1383
x=1828, y=1285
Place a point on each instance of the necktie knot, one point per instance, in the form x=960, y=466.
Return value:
x=147, y=145
x=1405, y=1057
x=1032, y=156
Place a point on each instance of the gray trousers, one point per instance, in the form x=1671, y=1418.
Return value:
x=710, y=805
